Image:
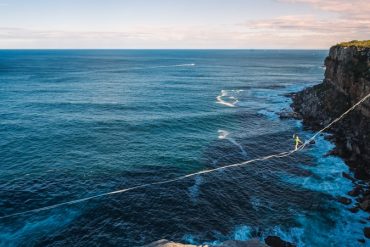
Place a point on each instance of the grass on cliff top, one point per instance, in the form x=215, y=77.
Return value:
x=357, y=43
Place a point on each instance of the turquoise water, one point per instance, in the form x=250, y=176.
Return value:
x=77, y=123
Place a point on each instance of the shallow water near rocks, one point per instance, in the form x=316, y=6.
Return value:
x=80, y=123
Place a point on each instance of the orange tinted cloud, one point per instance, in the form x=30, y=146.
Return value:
x=349, y=8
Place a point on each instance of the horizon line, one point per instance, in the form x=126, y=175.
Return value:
x=169, y=49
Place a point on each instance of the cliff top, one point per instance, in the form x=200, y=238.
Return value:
x=357, y=43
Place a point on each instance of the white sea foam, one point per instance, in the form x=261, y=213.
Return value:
x=242, y=233
x=328, y=170
x=223, y=134
x=173, y=65
x=230, y=95
x=185, y=65
x=256, y=202
x=327, y=179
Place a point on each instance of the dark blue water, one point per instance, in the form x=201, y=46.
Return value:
x=75, y=124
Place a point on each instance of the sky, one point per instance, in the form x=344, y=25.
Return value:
x=182, y=24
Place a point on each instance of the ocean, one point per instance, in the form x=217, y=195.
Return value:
x=79, y=123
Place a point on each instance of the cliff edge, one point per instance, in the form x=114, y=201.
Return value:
x=347, y=80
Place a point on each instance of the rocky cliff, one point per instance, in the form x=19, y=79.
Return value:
x=347, y=80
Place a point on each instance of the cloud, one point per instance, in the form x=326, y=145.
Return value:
x=24, y=33
x=135, y=37
x=311, y=24
x=352, y=8
x=349, y=21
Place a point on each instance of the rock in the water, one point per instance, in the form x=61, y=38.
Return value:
x=365, y=205
x=356, y=191
x=367, y=232
x=274, y=241
x=289, y=115
x=362, y=241
x=354, y=209
x=363, y=222
x=346, y=175
x=344, y=200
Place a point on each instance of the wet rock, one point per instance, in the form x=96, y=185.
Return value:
x=346, y=175
x=359, y=200
x=349, y=146
x=289, y=115
x=356, y=191
x=330, y=137
x=362, y=241
x=356, y=149
x=361, y=173
x=249, y=243
x=274, y=241
x=344, y=200
x=367, y=232
x=354, y=210
x=365, y=205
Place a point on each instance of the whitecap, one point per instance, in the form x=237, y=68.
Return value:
x=172, y=65
x=242, y=233
x=228, y=97
x=223, y=134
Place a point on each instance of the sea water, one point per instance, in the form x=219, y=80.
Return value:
x=78, y=123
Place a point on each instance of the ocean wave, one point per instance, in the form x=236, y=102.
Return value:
x=327, y=171
x=326, y=179
x=194, y=190
x=230, y=96
x=172, y=65
x=223, y=134
x=35, y=228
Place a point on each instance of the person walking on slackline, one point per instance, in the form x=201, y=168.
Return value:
x=297, y=141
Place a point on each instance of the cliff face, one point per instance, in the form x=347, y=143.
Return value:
x=347, y=80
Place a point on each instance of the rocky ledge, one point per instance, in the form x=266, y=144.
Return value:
x=347, y=80
x=270, y=241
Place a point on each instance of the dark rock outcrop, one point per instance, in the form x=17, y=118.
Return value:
x=367, y=232
x=274, y=241
x=344, y=200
